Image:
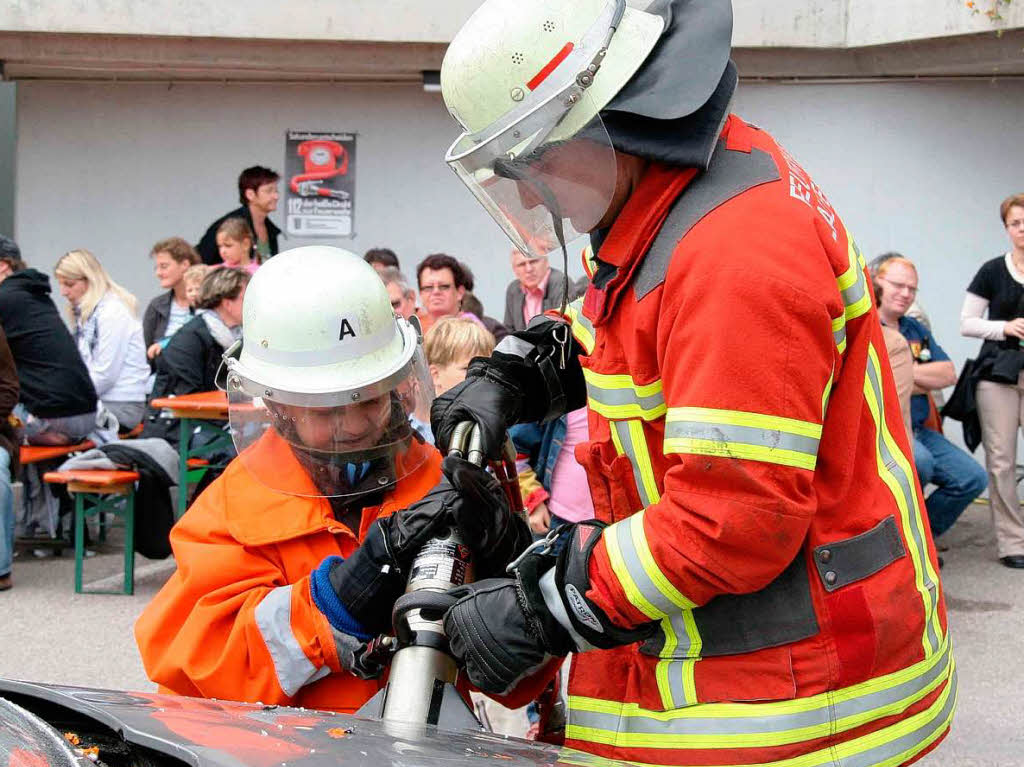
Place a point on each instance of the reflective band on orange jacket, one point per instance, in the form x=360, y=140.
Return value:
x=748, y=450
x=236, y=621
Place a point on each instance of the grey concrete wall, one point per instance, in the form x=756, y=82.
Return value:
x=918, y=166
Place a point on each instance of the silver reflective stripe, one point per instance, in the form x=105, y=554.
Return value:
x=631, y=450
x=840, y=337
x=649, y=590
x=856, y=291
x=754, y=725
x=624, y=401
x=743, y=435
x=515, y=346
x=274, y=620
x=907, y=489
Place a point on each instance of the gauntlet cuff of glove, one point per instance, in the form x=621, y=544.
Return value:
x=369, y=582
x=543, y=360
x=573, y=580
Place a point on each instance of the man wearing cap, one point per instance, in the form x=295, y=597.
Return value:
x=760, y=586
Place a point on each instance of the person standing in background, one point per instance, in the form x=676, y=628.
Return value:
x=234, y=244
x=258, y=193
x=998, y=290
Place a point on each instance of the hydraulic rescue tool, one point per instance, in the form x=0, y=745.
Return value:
x=421, y=684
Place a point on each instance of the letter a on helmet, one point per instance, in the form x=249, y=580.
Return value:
x=328, y=373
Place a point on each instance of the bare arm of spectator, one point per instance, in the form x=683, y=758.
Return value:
x=973, y=323
x=902, y=362
x=929, y=376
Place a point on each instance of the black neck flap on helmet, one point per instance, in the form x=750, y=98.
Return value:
x=673, y=109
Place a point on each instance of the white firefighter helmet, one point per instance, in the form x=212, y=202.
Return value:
x=526, y=79
x=327, y=366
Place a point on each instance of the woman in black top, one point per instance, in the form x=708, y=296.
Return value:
x=998, y=289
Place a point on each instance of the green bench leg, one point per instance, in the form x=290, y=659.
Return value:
x=79, y=539
x=129, y=544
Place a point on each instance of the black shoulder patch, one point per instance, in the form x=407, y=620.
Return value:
x=729, y=174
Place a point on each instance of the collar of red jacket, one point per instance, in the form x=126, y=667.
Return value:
x=256, y=515
x=638, y=223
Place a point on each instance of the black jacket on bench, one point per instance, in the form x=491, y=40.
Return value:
x=54, y=381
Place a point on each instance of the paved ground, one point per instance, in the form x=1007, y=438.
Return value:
x=48, y=633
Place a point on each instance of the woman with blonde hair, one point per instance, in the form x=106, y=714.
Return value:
x=106, y=327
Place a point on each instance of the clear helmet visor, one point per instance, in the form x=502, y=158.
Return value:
x=541, y=188
x=337, y=450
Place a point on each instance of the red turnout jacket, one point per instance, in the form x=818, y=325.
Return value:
x=748, y=452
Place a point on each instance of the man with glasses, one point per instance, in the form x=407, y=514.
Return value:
x=957, y=476
x=403, y=297
x=443, y=283
x=536, y=289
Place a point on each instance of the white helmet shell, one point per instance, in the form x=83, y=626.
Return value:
x=318, y=330
x=508, y=48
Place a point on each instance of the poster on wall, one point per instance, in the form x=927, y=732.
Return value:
x=320, y=168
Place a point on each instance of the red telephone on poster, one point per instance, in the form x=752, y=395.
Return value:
x=323, y=160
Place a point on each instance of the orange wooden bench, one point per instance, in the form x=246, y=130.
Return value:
x=36, y=453
x=97, y=492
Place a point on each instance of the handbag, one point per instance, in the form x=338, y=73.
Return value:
x=963, y=405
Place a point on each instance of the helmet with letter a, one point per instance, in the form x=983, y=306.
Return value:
x=328, y=372
x=547, y=90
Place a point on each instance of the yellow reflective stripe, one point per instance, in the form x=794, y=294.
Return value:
x=628, y=437
x=839, y=332
x=739, y=725
x=897, y=473
x=828, y=391
x=582, y=329
x=853, y=283
x=739, y=434
x=618, y=396
x=643, y=582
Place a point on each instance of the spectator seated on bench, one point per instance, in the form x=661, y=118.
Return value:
x=57, y=401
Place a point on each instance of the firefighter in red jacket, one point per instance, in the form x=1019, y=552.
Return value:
x=760, y=586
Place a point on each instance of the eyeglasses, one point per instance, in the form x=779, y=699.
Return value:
x=441, y=287
x=396, y=304
x=900, y=286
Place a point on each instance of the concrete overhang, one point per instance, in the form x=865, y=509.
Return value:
x=396, y=40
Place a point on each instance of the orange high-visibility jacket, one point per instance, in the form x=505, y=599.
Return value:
x=748, y=450
x=237, y=621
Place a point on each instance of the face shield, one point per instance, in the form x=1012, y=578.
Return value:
x=546, y=170
x=336, y=444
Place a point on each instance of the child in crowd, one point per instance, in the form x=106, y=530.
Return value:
x=450, y=344
x=193, y=280
x=234, y=243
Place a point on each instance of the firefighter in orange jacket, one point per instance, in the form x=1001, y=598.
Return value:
x=292, y=559
x=761, y=586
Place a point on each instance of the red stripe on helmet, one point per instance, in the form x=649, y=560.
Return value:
x=548, y=68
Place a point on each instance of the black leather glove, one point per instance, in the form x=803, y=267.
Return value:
x=368, y=582
x=488, y=526
x=533, y=375
x=502, y=630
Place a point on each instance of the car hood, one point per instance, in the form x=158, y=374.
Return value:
x=208, y=733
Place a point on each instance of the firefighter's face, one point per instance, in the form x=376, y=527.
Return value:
x=354, y=427
x=588, y=188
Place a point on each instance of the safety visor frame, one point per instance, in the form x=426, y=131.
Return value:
x=240, y=380
x=525, y=127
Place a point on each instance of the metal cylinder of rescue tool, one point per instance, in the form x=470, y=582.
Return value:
x=420, y=670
